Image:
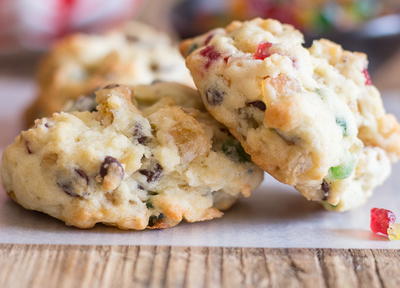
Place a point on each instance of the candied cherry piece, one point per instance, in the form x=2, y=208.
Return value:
x=394, y=231
x=381, y=219
x=211, y=54
x=368, y=80
x=263, y=51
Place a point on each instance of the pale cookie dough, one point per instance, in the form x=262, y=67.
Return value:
x=309, y=117
x=82, y=63
x=132, y=168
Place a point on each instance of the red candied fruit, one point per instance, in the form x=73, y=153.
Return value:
x=210, y=53
x=380, y=220
x=263, y=51
x=368, y=80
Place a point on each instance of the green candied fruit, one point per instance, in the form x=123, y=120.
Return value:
x=342, y=171
x=192, y=48
x=323, y=22
x=329, y=206
x=343, y=124
x=233, y=149
x=364, y=9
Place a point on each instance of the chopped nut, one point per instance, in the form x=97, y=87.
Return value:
x=257, y=104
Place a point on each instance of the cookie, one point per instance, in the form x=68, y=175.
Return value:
x=82, y=63
x=148, y=165
x=308, y=116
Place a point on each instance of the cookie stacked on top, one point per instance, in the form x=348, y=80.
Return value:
x=308, y=116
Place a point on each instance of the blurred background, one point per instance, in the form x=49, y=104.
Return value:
x=29, y=27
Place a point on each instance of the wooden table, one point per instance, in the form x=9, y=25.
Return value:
x=151, y=266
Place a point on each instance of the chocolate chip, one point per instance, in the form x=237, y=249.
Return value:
x=111, y=86
x=325, y=188
x=68, y=188
x=90, y=102
x=233, y=149
x=108, y=164
x=247, y=114
x=153, y=220
x=257, y=104
x=208, y=39
x=153, y=174
x=76, y=184
x=28, y=148
x=83, y=175
x=83, y=103
x=214, y=96
x=290, y=140
x=138, y=134
x=224, y=130
x=149, y=205
x=112, y=172
x=142, y=140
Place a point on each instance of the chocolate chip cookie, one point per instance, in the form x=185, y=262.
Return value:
x=308, y=116
x=136, y=158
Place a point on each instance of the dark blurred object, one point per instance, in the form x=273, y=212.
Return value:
x=370, y=26
x=309, y=16
x=19, y=64
x=194, y=17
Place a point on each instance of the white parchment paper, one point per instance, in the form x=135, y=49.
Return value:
x=275, y=216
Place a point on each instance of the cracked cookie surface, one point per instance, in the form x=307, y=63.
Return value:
x=150, y=164
x=308, y=116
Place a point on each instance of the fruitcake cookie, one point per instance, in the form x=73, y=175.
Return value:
x=309, y=117
x=127, y=167
x=81, y=63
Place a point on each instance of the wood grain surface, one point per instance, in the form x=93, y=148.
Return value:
x=151, y=266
